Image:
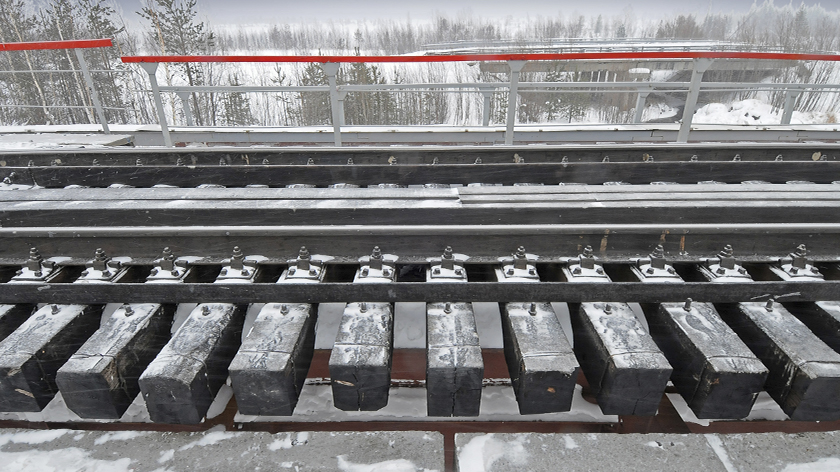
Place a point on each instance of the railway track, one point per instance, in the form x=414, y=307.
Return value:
x=538, y=269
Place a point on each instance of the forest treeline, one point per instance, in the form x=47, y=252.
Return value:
x=33, y=91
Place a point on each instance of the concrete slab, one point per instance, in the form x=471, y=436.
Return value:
x=119, y=451
x=584, y=452
x=783, y=452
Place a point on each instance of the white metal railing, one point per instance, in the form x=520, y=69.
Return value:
x=78, y=46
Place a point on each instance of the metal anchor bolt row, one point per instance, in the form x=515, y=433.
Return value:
x=167, y=262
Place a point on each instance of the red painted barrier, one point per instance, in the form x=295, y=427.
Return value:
x=496, y=57
x=42, y=45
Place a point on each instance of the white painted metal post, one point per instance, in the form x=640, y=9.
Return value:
x=151, y=68
x=94, y=95
x=640, y=106
x=790, y=101
x=515, y=69
x=700, y=67
x=341, y=117
x=485, y=111
x=185, y=103
x=331, y=69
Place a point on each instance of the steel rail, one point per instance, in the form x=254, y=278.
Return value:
x=412, y=230
x=335, y=292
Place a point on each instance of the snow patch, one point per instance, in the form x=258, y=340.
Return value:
x=287, y=442
x=220, y=402
x=209, y=439
x=119, y=436
x=743, y=112
x=60, y=460
x=717, y=445
x=32, y=437
x=483, y=451
x=826, y=464
x=166, y=456
x=397, y=465
x=570, y=442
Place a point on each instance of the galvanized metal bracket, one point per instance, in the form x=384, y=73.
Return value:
x=169, y=269
x=585, y=268
x=724, y=268
x=448, y=268
x=306, y=268
x=377, y=268
x=655, y=268
x=519, y=267
x=796, y=266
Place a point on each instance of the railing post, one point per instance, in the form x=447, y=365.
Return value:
x=515, y=69
x=94, y=96
x=640, y=106
x=185, y=103
x=700, y=67
x=151, y=68
x=790, y=101
x=485, y=110
x=331, y=69
x=341, y=118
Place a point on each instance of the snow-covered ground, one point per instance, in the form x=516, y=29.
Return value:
x=65, y=450
x=755, y=112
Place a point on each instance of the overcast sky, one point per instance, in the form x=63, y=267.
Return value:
x=285, y=11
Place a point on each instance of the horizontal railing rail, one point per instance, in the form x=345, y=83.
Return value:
x=45, y=45
x=77, y=46
x=572, y=56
